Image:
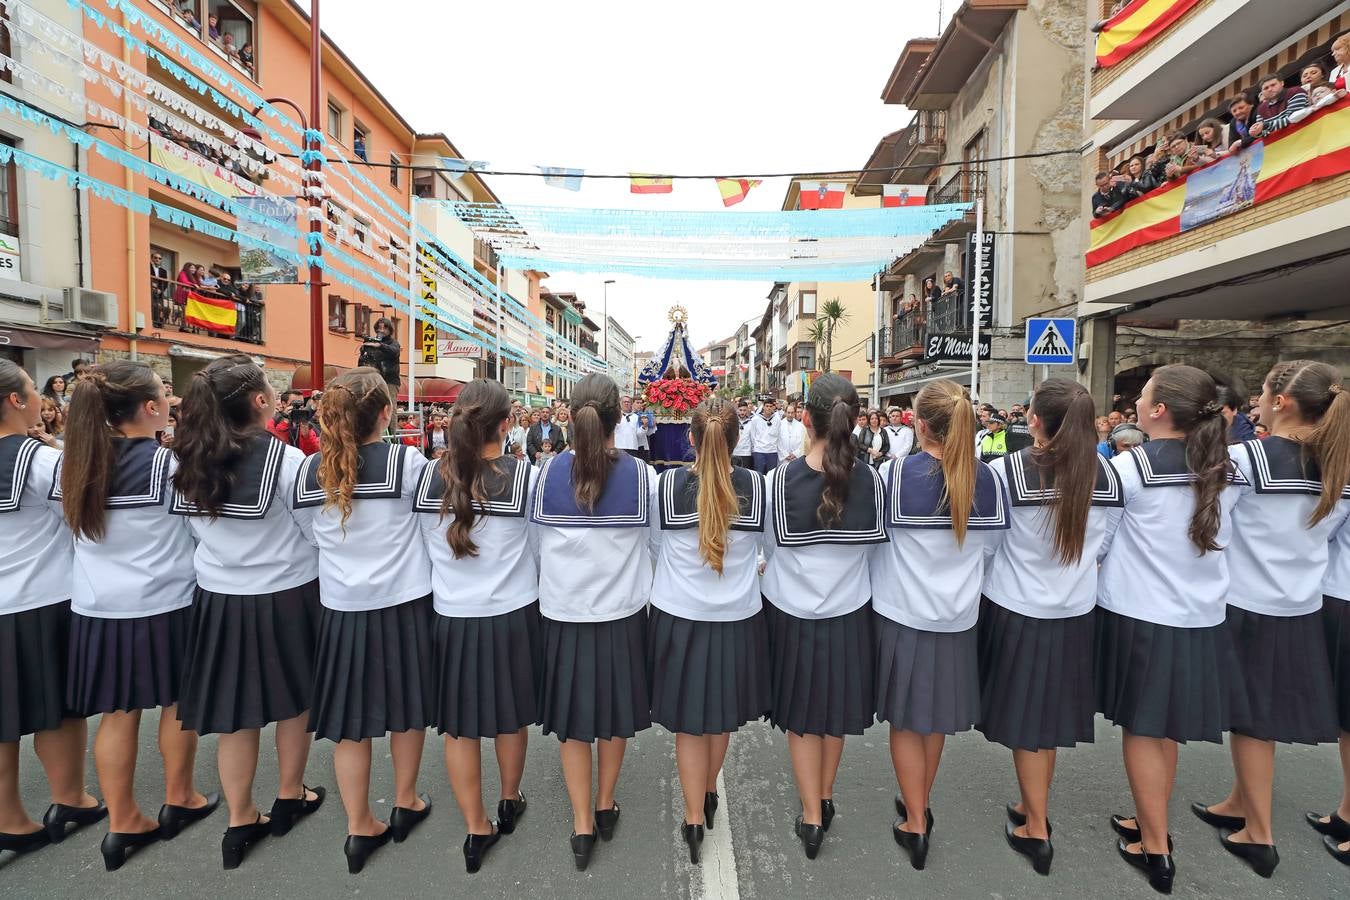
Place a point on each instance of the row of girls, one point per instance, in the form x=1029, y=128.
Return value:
x=937, y=594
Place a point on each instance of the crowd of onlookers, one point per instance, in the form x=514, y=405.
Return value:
x=228, y=163
x=169, y=296
x=1251, y=116
x=239, y=52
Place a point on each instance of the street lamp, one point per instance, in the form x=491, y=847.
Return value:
x=608, y=282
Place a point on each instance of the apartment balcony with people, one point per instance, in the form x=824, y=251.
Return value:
x=228, y=28
x=212, y=300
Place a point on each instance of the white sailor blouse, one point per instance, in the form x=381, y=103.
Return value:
x=377, y=559
x=922, y=578
x=684, y=585
x=504, y=576
x=36, y=553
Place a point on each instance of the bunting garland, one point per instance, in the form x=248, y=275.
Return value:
x=650, y=184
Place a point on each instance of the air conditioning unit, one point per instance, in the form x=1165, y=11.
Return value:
x=85, y=307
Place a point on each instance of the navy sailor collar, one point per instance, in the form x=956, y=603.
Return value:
x=140, y=474
x=254, y=481
x=1162, y=463
x=917, y=497
x=17, y=452
x=506, y=482
x=1029, y=486
x=379, y=475
x=797, y=489
x=678, y=493
x=1280, y=466
x=624, y=502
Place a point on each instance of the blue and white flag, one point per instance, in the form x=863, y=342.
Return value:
x=558, y=177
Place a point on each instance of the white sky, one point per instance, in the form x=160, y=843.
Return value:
x=699, y=87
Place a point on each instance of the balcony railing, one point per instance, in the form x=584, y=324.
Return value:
x=966, y=186
x=169, y=298
x=484, y=252
x=923, y=141
x=950, y=312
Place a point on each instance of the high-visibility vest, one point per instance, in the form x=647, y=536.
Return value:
x=994, y=444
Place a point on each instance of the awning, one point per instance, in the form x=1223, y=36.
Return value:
x=301, y=380
x=433, y=390
x=47, y=339
x=970, y=35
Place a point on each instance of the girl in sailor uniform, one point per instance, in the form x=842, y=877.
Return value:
x=255, y=613
x=826, y=510
x=132, y=597
x=373, y=669
x=1294, y=498
x=707, y=638
x=1040, y=594
x=1335, y=826
x=592, y=509
x=1167, y=671
x=945, y=511
x=485, y=581
x=35, y=561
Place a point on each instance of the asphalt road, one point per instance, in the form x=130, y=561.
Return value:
x=757, y=857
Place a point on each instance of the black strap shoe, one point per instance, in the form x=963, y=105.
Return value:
x=285, y=813
x=583, y=845
x=1334, y=848
x=1335, y=826
x=508, y=811
x=1159, y=867
x=476, y=847
x=173, y=819
x=238, y=838
x=1232, y=823
x=606, y=820
x=1040, y=852
x=403, y=820
x=59, y=817
x=1261, y=857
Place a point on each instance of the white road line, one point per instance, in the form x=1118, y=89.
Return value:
x=719, y=856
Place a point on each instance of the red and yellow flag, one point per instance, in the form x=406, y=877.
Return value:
x=734, y=190
x=649, y=184
x=1296, y=156
x=1135, y=25
x=214, y=314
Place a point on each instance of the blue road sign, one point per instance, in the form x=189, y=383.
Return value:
x=1051, y=342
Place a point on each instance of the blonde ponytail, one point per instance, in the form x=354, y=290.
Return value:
x=946, y=411
x=715, y=428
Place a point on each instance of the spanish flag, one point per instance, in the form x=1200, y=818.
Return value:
x=214, y=314
x=1294, y=157
x=648, y=184
x=734, y=190
x=1139, y=22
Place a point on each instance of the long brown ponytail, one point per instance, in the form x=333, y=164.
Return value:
x=350, y=410
x=108, y=397
x=1192, y=399
x=216, y=419
x=479, y=410
x=1318, y=390
x=832, y=405
x=1069, y=458
x=715, y=428
x=945, y=409
x=595, y=412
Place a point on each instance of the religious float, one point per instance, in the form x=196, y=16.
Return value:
x=673, y=383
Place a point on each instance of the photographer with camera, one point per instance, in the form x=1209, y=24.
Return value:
x=381, y=352
x=293, y=423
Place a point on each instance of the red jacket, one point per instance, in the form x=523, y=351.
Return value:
x=307, y=442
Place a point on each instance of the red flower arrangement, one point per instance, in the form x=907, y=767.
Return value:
x=675, y=396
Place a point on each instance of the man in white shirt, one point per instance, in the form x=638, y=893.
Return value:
x=626, y=431
x=900, y=435
x=646, y=428
x=791, y=435
x=741, y=455
x=764, y=438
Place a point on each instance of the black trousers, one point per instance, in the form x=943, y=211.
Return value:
x=745, y=462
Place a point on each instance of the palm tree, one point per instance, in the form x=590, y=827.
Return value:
x=830, y=315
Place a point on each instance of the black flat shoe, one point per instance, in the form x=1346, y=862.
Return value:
x=1038, y=851
x=476, y=847
x=812, y=837
x=1335, y=826
x=1159, y=866
x=285, y=813
x=916, y=845
x=826, y=813
x=59, y=817
x=238, y=838
x=1334, y=848
x=693, y=836
x=173, y=819
x=1020, y=819
x=24, y=843
x=927, y=813
x=582, y=847
x=403, y=820
x=1261, y=857
x=709, y=809
x=117, y=846
x=508, y=811
x=1232, y=823
x=359, y=847
x=606, y=820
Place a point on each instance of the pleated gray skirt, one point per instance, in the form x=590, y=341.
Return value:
x=1286, y=675
x=1164, y=682
x=707, y=677
x=34, y=645
x=595, y=679
x=928, y=682
x=488, y=673
x=1036, y=689
x=250, y=659
x=123, y=665
x=1336, y=630
x=374, y=673
x=821, y=672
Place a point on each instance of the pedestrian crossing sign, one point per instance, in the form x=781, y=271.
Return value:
x=1051, y=342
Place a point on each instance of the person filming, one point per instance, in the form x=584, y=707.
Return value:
x=381, y=351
